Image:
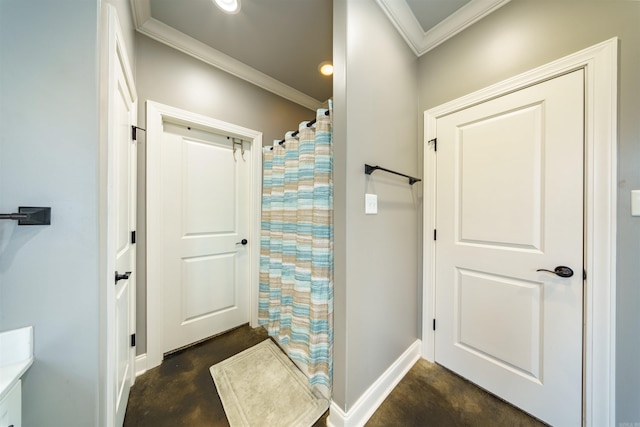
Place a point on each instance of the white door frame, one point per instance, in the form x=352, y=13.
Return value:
x=156, y=115
x=116, y=57
x=600, y=63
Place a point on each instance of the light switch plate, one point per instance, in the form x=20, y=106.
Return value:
x=635, y=202
x=370, y=204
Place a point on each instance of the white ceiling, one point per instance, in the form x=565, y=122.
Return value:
x=278, y=44
x=430, y=13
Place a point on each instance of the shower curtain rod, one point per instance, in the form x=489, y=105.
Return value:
x=309, y=124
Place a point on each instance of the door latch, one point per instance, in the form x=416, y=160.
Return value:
x=124, y=276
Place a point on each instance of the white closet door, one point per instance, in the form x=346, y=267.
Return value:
x=510, y=202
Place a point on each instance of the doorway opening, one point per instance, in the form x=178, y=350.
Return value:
x=211, y=145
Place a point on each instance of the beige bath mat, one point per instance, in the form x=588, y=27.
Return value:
x=262, y=387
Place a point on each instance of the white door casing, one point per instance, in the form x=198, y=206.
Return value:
x=121, y=221
x=205, y=269
x=599, y=64
x=157, y=116
x=510, y=202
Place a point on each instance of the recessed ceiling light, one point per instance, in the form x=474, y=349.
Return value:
x=228, y=6
x=326, y=68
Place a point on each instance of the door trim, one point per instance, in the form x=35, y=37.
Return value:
x=157, y=114
x=600, y=63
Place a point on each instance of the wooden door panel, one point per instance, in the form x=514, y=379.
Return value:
x=123, y=171
x=208, y=286
x=205, y=210
x=483, y=302
x=208, y=172
x=500, y=179
x=510, y=197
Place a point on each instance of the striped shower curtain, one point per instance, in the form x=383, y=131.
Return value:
x=296, y=248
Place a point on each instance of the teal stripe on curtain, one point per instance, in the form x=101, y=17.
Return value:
x=264, y=290
x=275, y=244
x=291, y=162
x=296, y=262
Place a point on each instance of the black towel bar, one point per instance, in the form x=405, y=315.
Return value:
x=368, y=169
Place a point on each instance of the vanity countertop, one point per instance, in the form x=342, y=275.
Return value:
x=16, y=356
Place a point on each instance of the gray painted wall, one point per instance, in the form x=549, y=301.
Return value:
x=525, y=34
x=170, y=77
x=49, y=157
x=376, y=257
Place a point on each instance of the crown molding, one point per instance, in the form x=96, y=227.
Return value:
x=141, y=10
x=171, y=37
x=421, y=42
x=405, y=22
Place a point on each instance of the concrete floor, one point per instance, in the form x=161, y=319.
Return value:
x=181, y=392
x=430, y=395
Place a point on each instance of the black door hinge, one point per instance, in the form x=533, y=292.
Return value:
x=133, y=340
x=435, y=234
x=434, y=324
x=435, y=143
x=584, y=274
x=134, y=132
x=133, y=237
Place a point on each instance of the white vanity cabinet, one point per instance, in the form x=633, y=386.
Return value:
x=11, y=407
x=16, y=356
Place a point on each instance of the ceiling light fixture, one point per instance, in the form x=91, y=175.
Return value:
x=228, y=6
x=326, y=68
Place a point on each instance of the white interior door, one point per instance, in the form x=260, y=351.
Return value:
x=510, y=202
x=123, y=180
x=205, y=202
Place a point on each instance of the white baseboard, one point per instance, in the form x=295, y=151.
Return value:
x=141, y=364
x=369, y=402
